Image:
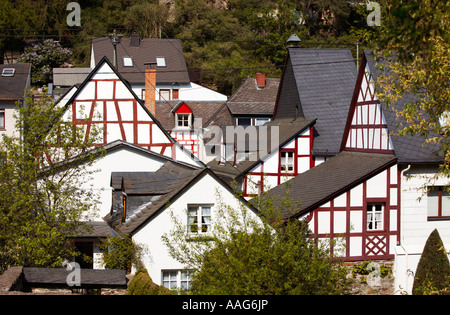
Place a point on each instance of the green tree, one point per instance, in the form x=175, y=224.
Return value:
x=121, y=253
x=433, y=271
x=147, y=19
x=248, y=253
x=43, y=58
x=414, y=45
x=43, y=198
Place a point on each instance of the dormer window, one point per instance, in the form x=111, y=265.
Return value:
x=183, y=116
x=183, y=120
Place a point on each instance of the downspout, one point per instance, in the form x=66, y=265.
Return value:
x=401, y=227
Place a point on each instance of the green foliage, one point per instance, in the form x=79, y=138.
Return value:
x=433, y=271
x=365, y=268
x=120, y=253
x=43, y=58
x=256, y=253
x=42, y=198
x=414, y=47
x=228, y=40
x=142, y=284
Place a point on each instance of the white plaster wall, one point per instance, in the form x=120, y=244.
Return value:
x=157, y=257
x=10, y=121
x=187, y=92
x=121, y=160
x=415, y=229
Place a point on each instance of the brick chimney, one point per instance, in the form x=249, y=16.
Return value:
x=150, y=87
x=260, y=80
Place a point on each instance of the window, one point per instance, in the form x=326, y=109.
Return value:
x=175, y=94
x=127, y=62
x=261, y=121
x=287, y=161
x=170, y=279
x=2, y=119
x=244, y=121
x=375, y=217
x=8, y=72
x=199, y=219
x=164, y=94
x=183, y=120
x=177, y=279
x=161, y=62
x=438, y=203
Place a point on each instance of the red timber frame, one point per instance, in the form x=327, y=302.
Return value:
x=186, y=137
x=363, y=131
x=157, y=147
x=278, y=173
x=375, y=245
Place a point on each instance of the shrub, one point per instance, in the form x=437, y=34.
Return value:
x=433, y=270
x=120, y=253
x=142, y=284
x=43, y=58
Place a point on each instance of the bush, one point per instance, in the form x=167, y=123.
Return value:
x=433, y=270
x=142, y=284
x=43, y=58
x=120, y=253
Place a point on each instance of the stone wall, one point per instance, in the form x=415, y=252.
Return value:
x=372, y=278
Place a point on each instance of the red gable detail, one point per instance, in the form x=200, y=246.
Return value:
x=183, y=109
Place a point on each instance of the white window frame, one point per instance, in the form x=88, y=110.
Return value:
x=161, y=62
x=285, y=161
x=438, y=203
x=127, y=62
x=183, y=118
x=375, y=216
x=200, y=221
x=176, y=279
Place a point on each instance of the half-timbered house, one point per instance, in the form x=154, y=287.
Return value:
x=309, y=116
x=145, y=204
x=106, y=100
x=369, y=198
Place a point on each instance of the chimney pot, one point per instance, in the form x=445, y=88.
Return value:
x=260, y=80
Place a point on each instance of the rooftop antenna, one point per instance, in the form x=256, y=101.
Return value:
x=293, y=41
x=115, y=39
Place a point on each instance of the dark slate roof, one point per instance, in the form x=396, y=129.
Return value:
x=251, y=100
x=89, y=278
x=408, y=149
x=211, y=112
x=13, y=88
x=95, y=229
x=318, y=84
x=149, y=48
x=160, y=187
x=329, y=179
x=287, y=129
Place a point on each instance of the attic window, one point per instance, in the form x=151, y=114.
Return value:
x=8, y=72
x=127, y=62
x=161, y=62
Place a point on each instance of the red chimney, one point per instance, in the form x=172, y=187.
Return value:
x=150, y=88
x=260, y=80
